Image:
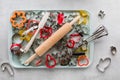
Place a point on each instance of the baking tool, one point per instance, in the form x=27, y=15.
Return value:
x=41, y=24
x=70, y=43
x=29, y=30
x=16, y=39
x=30, y=14
x=85, y=30
x=85, y=16
x=8, y=67
x=24, y=37
x=32, y=25
x=106, y=61
x=50, y=61
x=75, y=36
x=100, y=32
x=18, y=19
x=15, y=49
x=74, y=39
x=113, y=50
x=83, y=57
x=64, y=61
x=52, y=40
x=60, y=18
x=45, y=32
x=73, y=62
x=101, y=14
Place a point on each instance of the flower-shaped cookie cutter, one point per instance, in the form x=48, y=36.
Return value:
x=18, y=23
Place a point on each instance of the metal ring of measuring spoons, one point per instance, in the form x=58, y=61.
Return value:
x=8, y=67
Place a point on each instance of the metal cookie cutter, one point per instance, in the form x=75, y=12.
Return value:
x=16, y=39
x=103, y=68
x=30, y=14
x=101, y=14
x=113, y=50
x=50, y=61
x=8, y=67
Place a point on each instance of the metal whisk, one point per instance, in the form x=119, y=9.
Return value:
x=100, y=32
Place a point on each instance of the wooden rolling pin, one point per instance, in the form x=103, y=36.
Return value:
x=52, y=40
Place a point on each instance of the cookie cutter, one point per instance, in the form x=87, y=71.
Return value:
x=103, y=60
x=14, y=17
x=76, y=37
x=101, y=14
x=65, y=58
x=73, y=62
x=16, y=38
x=15, y=49
x=31, y=26
x=30, y=14
x=60, y=18
x=70, y=43
x=8, y=67
x=50, y=61
x=85, y=16
x=83, y=57
x=113, y=50
x=45, y=32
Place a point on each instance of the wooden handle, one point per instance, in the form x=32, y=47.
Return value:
x=30, y=59
x=52, y=40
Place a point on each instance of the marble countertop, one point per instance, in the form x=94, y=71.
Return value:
x=102, y=46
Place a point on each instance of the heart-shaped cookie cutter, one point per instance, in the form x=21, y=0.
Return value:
x=103, y=60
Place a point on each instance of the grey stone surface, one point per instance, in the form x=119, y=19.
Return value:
x=102, y=46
